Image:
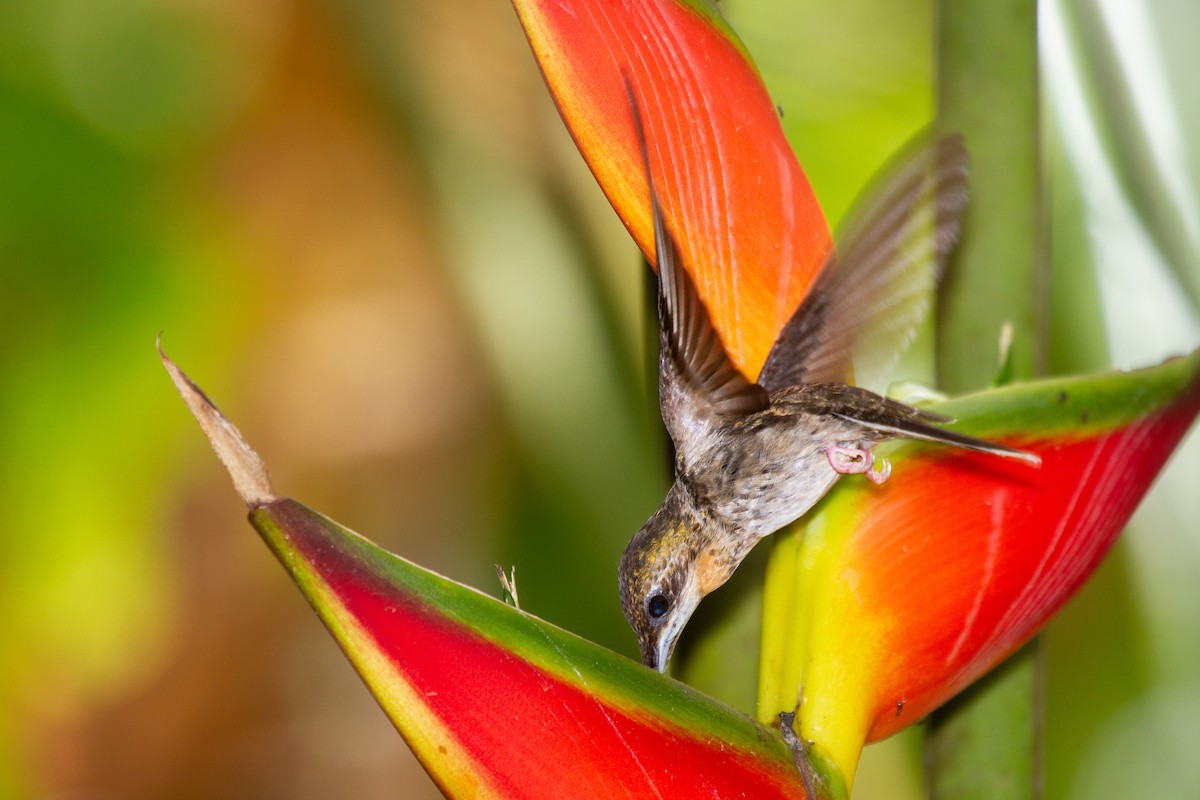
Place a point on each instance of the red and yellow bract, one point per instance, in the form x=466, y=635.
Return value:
x=889, y=600
x=499, y=704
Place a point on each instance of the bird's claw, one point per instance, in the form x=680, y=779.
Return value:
x=878, y=473
x=854, y=460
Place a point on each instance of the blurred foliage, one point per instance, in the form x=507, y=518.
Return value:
x=362, y=227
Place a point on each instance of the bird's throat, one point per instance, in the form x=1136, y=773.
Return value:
x=716, y=562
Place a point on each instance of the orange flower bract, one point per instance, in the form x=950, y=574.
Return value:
x=749, y=228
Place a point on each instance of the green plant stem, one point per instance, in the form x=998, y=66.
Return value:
x=988, y=90
x=985, y=745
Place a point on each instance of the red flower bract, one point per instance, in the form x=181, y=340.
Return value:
x=889, y=600
x=531, y=716
x=750, y=231
x=994, y=558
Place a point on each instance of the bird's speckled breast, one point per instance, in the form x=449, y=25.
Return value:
x=769, y=469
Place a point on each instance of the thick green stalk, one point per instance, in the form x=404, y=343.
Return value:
x=986, y=744
x=988, y=90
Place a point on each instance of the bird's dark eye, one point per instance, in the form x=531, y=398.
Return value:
x=657, y=606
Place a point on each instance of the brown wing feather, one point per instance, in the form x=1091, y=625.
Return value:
x=689, y=344
x=697, y=379
x=891, y=254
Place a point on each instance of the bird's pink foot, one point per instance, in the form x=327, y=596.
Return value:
x=848, y=460
x=853, y=460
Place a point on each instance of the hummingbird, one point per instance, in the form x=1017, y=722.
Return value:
x=752, y=457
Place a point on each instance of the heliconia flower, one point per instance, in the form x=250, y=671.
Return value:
x=890, y=599
x=884, y=604
x=748, y=225
x=494, y=702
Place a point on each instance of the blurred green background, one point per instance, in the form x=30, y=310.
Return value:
x=364, y=231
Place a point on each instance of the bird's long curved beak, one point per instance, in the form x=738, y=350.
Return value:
x=656, y=650
x=662, y=654
x=656, y=653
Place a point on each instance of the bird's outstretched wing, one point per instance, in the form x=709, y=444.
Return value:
x=885, y=418
x=869, y=297
x=698, y=384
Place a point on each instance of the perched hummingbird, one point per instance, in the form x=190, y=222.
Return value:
x=751, y=458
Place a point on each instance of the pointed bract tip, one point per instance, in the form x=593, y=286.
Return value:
x=241, y=462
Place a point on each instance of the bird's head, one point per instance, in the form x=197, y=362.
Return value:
x=666, y=570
